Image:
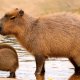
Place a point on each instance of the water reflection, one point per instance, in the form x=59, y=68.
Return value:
x=74, y=77
x=40, y=77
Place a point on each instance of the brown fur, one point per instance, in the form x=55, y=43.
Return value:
x=8, y=58
x=57, y=35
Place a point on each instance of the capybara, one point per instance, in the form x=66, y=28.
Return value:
x=56, y=35
x=8, y=59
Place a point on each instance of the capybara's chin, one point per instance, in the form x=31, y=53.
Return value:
x=4, y=33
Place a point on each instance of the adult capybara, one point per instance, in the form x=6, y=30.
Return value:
x=8, y=59
x=57, y=35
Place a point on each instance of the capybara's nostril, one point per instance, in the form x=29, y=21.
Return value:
x=0, y=27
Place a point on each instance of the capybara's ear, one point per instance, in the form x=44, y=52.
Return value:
x=21, y=12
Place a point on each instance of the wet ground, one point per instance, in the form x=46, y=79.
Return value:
x=56, y=68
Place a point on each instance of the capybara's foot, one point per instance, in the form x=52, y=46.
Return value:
x=12, y=75
x=77, y=71
x=37, y=73
x=77, y=68
x=42, y=72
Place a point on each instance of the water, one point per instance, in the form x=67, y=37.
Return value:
x=56, y=69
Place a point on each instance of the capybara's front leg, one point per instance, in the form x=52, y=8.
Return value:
x=12, y=75
x=40, y=62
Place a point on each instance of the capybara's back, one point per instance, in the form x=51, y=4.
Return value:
x=8, y=59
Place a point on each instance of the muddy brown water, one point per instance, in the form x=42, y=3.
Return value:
x=56, y=68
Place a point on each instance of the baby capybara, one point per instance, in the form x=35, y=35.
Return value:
x=56, y=35
x=8, y=59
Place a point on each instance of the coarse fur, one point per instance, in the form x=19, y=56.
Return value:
x=57, y=35
x=8, y=59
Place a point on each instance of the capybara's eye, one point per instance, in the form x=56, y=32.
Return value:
x=6, y=15
x=13, y=17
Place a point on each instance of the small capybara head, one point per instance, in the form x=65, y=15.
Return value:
x=11, y=22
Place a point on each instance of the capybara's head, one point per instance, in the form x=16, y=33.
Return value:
x=11, y=22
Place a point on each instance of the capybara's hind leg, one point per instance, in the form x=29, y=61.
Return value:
x=12, y=75
x=40, y=62
x=77, y=68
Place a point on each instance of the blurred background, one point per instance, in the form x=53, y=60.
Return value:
x=56, y=69
x=40, y=7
